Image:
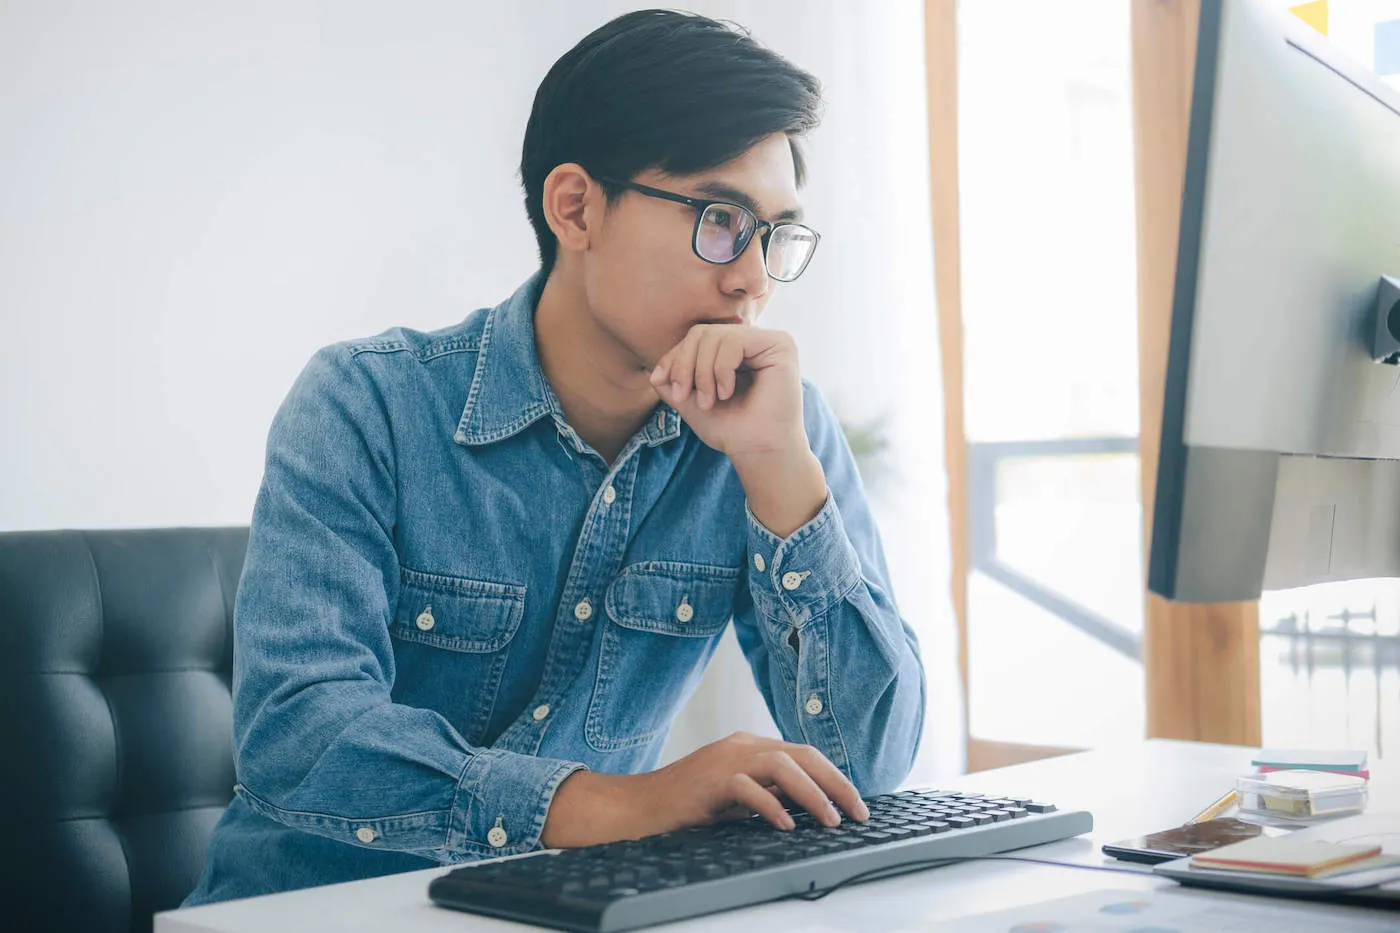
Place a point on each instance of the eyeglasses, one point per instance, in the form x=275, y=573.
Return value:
x=723, y=231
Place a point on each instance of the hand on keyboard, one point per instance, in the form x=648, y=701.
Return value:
x=729, y=779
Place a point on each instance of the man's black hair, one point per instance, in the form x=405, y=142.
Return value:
x=660, y=89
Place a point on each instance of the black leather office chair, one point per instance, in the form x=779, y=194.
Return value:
x=116, y=720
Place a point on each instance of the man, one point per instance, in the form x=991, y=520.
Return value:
x=488, y=564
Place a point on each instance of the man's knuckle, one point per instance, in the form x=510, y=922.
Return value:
x=779, y=759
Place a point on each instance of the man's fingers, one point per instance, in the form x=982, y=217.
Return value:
x=747, y=791
x=662, y=371
x=778, y=767
x=706, y=348
x=683, y=365
x=727, y=361
x=833, y=783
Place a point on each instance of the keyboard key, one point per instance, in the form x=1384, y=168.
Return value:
x=961, y=822
x=1017, y=812
x=1040, y=807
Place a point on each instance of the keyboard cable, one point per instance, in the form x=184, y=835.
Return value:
x=893, y=871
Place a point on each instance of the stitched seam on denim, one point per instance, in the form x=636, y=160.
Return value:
x=771, y=541
x=491, y=689
x=385, y=346
x=489, y=608
x=458, y=815
x=530, y=415
x=679, y=569
x=462, y=586
x=620, y=609
x=469, y=412
x=414, y=816
x=449, y=346
x=831, y=711
x=803, y=659
x=818, y=522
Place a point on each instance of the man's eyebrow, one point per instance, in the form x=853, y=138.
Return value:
x=718, y=189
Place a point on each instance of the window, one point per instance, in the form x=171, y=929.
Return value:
x=1049, y=307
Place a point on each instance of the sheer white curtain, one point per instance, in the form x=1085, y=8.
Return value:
x=197, y=196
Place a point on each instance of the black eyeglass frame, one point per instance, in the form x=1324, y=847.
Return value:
x=702, y=205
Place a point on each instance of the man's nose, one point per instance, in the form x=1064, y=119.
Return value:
x=748, y=275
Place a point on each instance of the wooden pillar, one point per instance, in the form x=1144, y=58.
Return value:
x=941, y=39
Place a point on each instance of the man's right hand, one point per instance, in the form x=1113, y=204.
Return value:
x=728, y=779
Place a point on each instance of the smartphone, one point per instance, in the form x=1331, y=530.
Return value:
x=1185, y=840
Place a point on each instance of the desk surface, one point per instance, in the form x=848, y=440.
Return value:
x=1130, y=789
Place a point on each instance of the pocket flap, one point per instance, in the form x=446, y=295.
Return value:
x=673, y=598
x=457, y=613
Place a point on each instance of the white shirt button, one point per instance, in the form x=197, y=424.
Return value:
x=609, y=496
x=814, y=705
x=425, y=619
x=583, y=610
x=497, y=836
x=541, y=711
x=759, y=563
x=685, y=612
x=366, y=835
x=792, y=580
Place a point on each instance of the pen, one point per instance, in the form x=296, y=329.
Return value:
x=1214, y=810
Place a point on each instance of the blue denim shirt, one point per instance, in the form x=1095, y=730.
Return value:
x=451, y=602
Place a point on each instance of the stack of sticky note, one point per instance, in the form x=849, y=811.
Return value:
x=1280, y=855
x=1296, y=759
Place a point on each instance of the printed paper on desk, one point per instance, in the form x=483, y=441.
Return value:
x=1176, y=910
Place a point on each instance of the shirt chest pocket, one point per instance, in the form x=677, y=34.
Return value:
x=452, y=636
x=664, y=620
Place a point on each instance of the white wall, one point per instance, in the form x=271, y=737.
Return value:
x=194, y=197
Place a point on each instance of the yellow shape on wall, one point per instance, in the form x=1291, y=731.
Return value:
x=1314, y=14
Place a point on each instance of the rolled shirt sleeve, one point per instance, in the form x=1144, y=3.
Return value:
x=837, y=665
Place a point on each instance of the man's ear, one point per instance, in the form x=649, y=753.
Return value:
x=571, y=202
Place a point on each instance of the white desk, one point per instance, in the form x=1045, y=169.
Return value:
x=1130, y=790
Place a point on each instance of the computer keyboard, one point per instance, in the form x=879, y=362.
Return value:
x=703, y=869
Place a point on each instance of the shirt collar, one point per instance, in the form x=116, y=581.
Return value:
x=509, y=392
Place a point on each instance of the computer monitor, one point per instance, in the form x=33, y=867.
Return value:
x=1280, y=455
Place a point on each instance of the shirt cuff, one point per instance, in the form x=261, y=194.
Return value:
x=502, y=801
x=800, y=577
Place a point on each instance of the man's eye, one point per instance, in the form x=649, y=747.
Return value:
x=721, y=218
